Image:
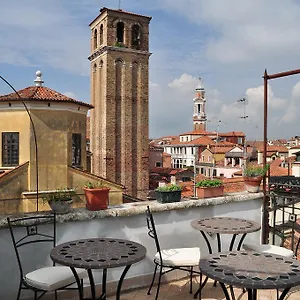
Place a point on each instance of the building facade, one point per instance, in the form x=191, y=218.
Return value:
x=60, y=126
x=119, y=93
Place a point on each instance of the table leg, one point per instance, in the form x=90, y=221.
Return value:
x=232, y=242
x=219, y=242
x=284, y=293
x=92, y=284
x=104, y=276
x=241, y=242
x=224, y=290
x=207, y=242
x=121, y=281
x=80, y=288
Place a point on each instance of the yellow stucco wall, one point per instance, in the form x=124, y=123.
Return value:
x=54, y=131
x=78, y=179
x=16, y=121
x=11, y=187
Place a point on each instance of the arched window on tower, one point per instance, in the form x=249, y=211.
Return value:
x=94, y=67
x=120, y=32
x=101, y=34
x=199, y=108
x=136, y=36
x=95, y=39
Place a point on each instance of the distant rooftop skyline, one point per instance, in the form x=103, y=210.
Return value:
x=226, y=43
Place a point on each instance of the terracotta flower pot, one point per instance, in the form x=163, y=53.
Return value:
x=252, y=184
x=210, y=192
x=97, y=198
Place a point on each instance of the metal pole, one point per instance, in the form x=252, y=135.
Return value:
x=195, y=170
x=35, y=141
x=265, y=217
x=265, y=214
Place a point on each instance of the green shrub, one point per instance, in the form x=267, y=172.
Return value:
x=94, y=185
x=169, y=188
x=64, y=194
x=255, y=170
x=209, y=183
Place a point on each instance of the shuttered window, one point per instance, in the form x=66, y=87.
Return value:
x=10, y=149
x=76, y=150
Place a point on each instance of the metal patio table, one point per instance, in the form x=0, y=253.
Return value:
x=98, y=253
x=223, y=225
x=252, y=271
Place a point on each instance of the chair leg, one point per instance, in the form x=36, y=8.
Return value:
x=191, y=281
x=19, y=291
x=151, y=285
x=158, y=284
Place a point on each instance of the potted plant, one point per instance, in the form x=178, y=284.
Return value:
x=209, y=188
x=96, y=195
x=60, y=200
x=168, y=193
x=252, y=177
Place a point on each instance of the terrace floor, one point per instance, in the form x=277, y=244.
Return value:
x=179, y=290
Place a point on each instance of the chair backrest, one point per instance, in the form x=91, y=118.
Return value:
x=152, y=231
x=28, y=230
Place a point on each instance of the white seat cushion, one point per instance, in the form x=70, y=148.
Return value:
x=265, y=248
x=53, y=278
x=179, y=257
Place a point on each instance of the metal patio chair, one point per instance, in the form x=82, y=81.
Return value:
x=172, y=259
x=31, y=230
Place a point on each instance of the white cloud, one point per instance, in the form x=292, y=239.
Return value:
x=292, y=111
x=71, y=95
x=185, y=83
x=44, y=35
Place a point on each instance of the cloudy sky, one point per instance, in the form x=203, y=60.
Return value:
x=228, y=43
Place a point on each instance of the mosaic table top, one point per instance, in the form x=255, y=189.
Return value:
x=252, y=270
x=225, y=225
x=98, y=253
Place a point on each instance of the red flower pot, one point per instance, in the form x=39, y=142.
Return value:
x=97, y=198
x=252, y=184
x=210, y=192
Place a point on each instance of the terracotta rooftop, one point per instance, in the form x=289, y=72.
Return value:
x=199, y=132
x=41, y=93
x=203, y=141
x=273, y=148
x=232, y=133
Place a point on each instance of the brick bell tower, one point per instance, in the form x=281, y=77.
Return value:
x=119, y=92
x=199, y=115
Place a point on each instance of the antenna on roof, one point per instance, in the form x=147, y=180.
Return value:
x=120, y=4
x=244, y=101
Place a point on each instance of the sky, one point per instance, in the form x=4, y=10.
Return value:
x=228, y=43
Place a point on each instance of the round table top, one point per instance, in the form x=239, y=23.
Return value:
x=225, y=225
x=98, y=253
x=252, y=270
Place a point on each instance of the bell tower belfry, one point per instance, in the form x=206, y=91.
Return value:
x=119, y=93
x=199, y=116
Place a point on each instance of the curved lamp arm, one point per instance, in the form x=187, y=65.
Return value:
x=35, y=141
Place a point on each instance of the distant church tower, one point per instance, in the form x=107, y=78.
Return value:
x=119, y=92
x=199, y=116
